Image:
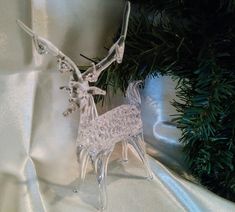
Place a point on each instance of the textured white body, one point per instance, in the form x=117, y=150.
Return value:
x=103, y=132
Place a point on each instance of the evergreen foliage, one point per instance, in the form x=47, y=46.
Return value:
x=194, y=41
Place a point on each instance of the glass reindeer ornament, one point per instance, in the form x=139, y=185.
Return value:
x=98, y=134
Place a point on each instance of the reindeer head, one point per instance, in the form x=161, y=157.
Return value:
x=80, y=92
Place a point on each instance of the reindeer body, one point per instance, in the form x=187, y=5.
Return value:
x=103, y=132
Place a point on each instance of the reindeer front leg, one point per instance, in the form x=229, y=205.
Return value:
x=101, y=164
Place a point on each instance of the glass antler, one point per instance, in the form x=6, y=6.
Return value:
x=44, y=46
x=115, y=53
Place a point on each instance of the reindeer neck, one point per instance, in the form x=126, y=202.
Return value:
x=88, y=111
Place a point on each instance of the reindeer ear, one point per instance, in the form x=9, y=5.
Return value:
x=96, y=91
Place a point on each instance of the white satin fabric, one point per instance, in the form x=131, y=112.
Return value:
x=38, y=167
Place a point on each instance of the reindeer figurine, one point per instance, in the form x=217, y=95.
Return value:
x=98, y=135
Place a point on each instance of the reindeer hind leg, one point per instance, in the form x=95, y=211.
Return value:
x=124, y=151
x=84, y=158
x=139, y=146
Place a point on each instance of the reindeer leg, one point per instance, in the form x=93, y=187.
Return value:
x=125, y=151
x=101, y=164
x=83, y=158
x=139, y=146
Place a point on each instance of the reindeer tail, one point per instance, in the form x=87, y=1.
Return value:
x=133, y=94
